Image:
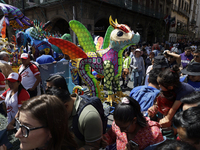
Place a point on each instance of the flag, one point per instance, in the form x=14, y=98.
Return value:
x=3, y=27
x=166, y=19
x=173, y=22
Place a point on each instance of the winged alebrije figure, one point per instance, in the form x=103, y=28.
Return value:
x=16, y=13
x=107, y=61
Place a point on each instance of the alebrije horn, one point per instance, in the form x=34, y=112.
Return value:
x=112, y=23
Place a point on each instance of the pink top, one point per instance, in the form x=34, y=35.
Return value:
x=146, y=136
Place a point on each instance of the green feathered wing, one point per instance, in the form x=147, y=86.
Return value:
x=84, y=38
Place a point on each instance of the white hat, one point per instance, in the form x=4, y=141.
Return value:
x=13, y=77
x=24, y=56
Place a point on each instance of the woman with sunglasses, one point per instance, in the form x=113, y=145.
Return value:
x=130, y=126
x=42, y=124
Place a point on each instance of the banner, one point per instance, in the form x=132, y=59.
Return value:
x=3, y=27
x=173, y=22
x=59, y=68
x=167, y=19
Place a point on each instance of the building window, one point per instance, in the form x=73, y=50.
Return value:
x=167, y=10
x=161, y=8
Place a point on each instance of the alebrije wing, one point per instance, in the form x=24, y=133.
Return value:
x=68, y=48
x=106, y=40
x=84, y=38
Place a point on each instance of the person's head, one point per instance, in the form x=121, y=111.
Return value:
x=66, y=57
x=127, y=53
x=191, y=100
x=64, y=96
x=168, y=79
x=25, y=58
x=14, y=81
x=4, y=56
x=160, y=62
x=153, y=74
x=122, y=117
x=193, y=71
x=151, y=55
x=138, y=52
x=196, y=55
x=188, y=127
x=57, y=81
x=174, y=145
x=41, y=52
x=42, y=123
x=188, y=51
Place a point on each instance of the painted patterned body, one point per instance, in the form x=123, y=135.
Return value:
x=107, y=61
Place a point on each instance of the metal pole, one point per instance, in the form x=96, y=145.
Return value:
x=23, y=7
x=74, y=35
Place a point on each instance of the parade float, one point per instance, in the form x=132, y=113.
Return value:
x=106, y=61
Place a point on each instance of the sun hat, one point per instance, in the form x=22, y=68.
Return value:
x=24, y=56
x=160, y=62
x=13, y=77
x=138, y=50
x=192, y=69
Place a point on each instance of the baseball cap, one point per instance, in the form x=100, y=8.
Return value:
x=13, y=77
x=24, y=56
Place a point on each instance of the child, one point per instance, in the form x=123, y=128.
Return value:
x=126, y=66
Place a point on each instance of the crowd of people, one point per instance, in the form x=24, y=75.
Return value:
x=161, y=112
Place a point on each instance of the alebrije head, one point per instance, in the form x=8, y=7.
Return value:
x=122, y=35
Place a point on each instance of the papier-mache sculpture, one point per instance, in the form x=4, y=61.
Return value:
x=107, y=61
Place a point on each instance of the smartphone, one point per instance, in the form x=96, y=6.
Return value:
x=133, y=143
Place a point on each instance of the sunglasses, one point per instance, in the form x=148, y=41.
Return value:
x=196, y=56
x=24, y=129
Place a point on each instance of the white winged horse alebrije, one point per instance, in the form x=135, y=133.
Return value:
x=107, y=61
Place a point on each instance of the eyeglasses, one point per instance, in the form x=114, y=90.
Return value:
x=196, y=56
x=24, y=129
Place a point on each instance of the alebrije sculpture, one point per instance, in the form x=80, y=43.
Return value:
x=107, y=61
x=16, y=13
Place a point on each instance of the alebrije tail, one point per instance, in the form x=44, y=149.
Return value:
x=84, y=71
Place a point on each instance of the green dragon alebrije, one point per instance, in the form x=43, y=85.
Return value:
x=107, y=61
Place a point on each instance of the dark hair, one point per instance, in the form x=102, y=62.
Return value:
x=169, y=77
x=41, y=52
x=127, y=112
x=58, y=81
x=188, y=48
x=190, y=120
x=128, y=53
x=50, y=112
x=192, y=98
x=62, y=94
x=174, y=145
x=153, y=74
x=196, y=51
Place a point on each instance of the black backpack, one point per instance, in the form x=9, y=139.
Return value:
x=97, y=104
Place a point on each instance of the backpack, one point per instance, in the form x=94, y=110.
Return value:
x=145, y=97
x=97, y=104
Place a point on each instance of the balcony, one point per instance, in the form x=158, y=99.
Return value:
x=133, y=6
x=174, y=7
x=126, y=4
x=181, y=31
x=183, y=12
x=31, y=3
